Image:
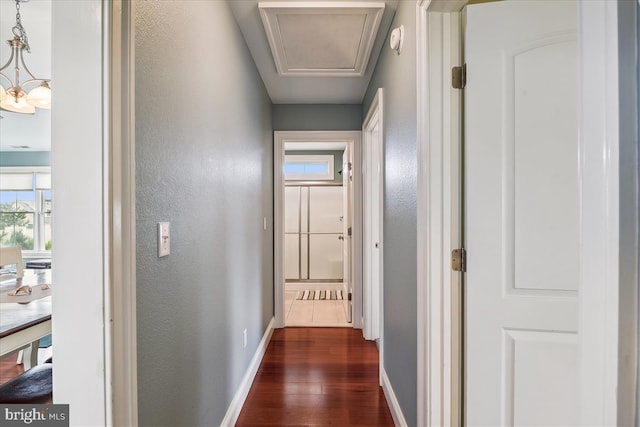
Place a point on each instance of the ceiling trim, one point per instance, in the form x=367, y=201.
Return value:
x=346, y=30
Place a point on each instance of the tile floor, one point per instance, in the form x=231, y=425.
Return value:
x=314, y=312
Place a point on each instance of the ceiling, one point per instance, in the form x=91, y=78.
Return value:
x=330, y=44
x=323, y=45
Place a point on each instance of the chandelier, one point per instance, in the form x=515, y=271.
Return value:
x=15, y=98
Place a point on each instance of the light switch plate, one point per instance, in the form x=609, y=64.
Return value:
x=164, y=239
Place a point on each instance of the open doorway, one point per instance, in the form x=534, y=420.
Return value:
x=25, y=203
x=372, y=132
x=317, y=222
x=316, y=234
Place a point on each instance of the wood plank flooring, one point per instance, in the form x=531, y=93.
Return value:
x=9, y=368
x=317, y=377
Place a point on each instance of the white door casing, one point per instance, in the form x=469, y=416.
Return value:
x=350, y=138
x=83, y=259
x=347, y=227
x=122, y=359
x=373, y=248
x=522, y=214
x=439, y=106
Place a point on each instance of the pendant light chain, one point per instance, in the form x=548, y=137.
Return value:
x=15, y=97
x=18, y=29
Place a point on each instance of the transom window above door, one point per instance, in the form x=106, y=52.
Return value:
x=308, y=167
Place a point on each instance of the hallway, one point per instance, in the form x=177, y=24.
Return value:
x=317, y=376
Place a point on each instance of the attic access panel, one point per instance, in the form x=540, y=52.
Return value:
x=321, y=38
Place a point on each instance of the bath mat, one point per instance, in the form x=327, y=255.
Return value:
x=320, y=295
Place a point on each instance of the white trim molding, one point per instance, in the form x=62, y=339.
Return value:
x=280, y=138
x=81, y=258
x=439, y=222
x=373, y=304
x=601, y=345
x=119, y=123
x=242, y=392
x=392, y=400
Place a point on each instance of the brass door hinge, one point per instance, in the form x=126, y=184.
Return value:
x=459, y=260
x=459, y=77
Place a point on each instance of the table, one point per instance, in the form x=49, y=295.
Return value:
x=22, y=325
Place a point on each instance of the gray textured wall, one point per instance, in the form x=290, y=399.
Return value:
x=397, y=75
x=204, y=163
x=628, y=258
x=317, y=117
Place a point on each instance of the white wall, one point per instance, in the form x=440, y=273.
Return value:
x=77, y=166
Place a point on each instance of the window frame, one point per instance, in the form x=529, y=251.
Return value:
x=328, y=159
x=39, y=240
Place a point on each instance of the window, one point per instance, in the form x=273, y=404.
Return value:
x=307, y=168
x=25, y=209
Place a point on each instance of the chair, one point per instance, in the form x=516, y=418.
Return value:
x=12, y=255
x=32, y=386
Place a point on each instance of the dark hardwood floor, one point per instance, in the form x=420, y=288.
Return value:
x=9, y=368
x=317, y=377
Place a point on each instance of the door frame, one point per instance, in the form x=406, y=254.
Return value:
x=373, y=311
x=101, y=260
x=122, y=364
x=602, y=351
x=82, y=348
x=280, y=138
x=438, y=45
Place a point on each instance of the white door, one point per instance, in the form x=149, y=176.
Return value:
x=325, y=233
x=292, y=236
x=347, y=226
x=522, y=214
x=372, y=274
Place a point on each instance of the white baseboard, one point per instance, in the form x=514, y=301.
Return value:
x=235, y=407
x=392, y=401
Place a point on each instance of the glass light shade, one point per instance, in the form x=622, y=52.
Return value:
x=9, y=103
x=3, y=93
x=40, y=96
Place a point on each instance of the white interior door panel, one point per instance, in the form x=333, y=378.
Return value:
x=292, y=256
x=522, y=213
x=325, y=256
x=325, y=210
x=313, y=233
